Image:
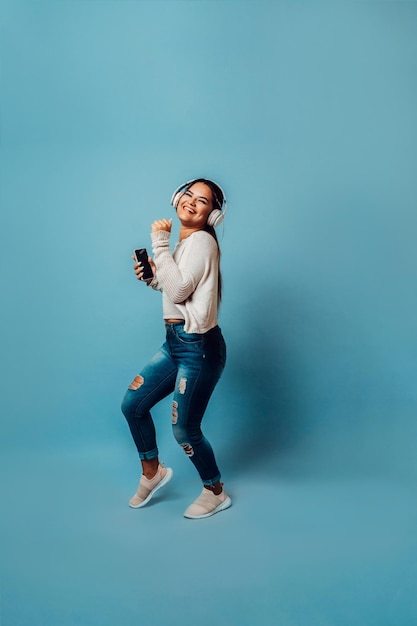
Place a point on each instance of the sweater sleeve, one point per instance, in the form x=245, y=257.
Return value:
x=178, y=283
x=155, y=284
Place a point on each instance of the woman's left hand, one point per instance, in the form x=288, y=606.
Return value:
x=163, y=224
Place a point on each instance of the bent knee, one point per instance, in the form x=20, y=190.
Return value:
x=182, y=437
x=130, y=400
x=126, y=406
x=186, y=438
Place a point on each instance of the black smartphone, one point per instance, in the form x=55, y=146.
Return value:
x=141, y=255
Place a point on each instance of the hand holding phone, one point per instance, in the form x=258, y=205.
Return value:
x=141, y=256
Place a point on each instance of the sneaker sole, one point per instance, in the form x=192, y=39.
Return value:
x=222, y=507
x=161, y=483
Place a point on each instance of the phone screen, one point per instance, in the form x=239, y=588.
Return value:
x=141, y=255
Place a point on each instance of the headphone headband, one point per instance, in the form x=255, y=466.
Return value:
x=217, y=215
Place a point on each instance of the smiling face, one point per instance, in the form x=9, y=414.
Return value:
x=195, y=205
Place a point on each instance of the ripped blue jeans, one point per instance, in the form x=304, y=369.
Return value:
x=189, y=365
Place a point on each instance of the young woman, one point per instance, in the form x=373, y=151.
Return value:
x=192, y=359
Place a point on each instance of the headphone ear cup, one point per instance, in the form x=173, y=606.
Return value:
x=215, y=218
x=176, y=199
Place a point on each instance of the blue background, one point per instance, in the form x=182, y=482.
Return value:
x=305, y=113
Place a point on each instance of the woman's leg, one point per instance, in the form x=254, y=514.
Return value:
x=200, y=367
x=155, y=381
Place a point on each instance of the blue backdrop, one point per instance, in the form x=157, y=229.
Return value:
x=305, y=113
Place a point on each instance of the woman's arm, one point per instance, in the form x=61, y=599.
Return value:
x=178, y=283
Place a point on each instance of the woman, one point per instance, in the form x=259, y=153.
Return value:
x=192, y=359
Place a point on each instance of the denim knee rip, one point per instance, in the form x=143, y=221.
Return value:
x=174, y=412
x=187, y=449
x=136, y=383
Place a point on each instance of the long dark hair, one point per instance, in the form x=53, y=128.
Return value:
x=217, y=201
x=212, y=232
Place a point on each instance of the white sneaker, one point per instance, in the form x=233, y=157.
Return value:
x=148, y=487
x=208, y=504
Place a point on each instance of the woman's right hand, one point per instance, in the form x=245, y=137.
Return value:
x=138, y=269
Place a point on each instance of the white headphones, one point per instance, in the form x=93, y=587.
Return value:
x=216, y=216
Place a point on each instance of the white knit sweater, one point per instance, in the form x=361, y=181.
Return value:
x=188, y=279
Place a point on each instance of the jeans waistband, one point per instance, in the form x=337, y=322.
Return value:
x=172, y=324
